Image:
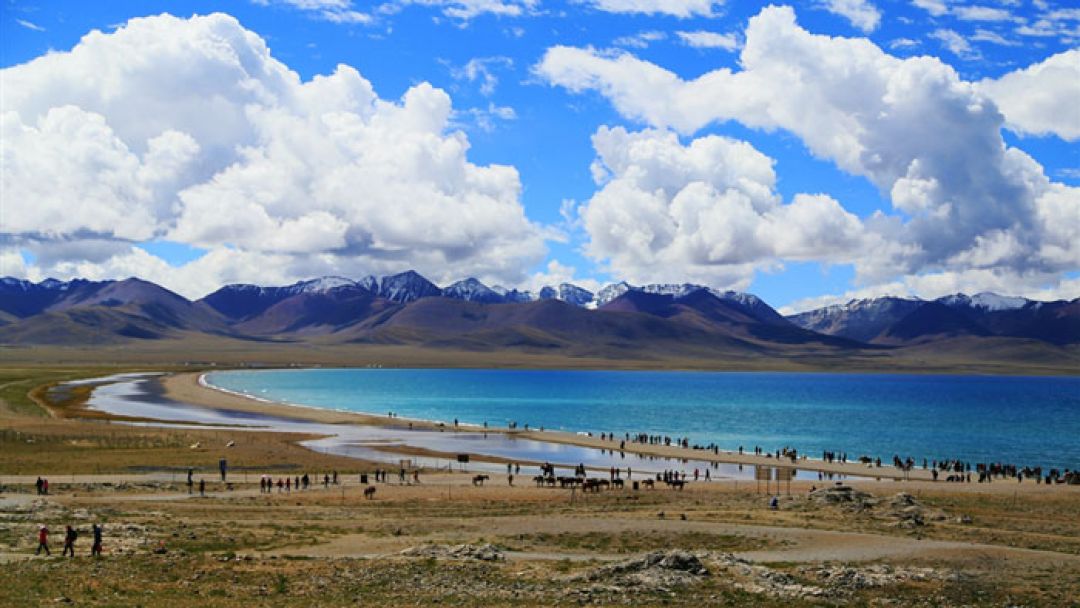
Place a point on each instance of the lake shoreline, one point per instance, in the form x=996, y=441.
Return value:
x=193, y=389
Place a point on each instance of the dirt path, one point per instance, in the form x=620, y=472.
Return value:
x=794, y=544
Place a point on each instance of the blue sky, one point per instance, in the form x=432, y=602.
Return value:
x=521, y=105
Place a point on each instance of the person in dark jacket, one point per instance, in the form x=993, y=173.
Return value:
x=70, y=535
x=95, y=549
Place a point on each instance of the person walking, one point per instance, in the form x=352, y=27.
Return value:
x=95, y=549
x=43, y=541
x=70, y=535
x=202, y=488
x=190, y=481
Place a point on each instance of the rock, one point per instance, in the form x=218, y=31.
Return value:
x=658, y=571
x=486, y=552
x=842, y=495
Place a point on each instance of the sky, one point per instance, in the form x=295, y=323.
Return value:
x=809, y=153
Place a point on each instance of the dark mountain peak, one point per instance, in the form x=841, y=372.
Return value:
x=472, y=290
x=407, y=286
x=572, y=294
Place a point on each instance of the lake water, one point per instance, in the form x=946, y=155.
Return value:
x=1021, y=420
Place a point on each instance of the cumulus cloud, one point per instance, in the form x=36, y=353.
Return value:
x=931, y=143
x=707, y=210
x=1041, y=99
x=675, y=8
x=190, y=130
x=862, y=14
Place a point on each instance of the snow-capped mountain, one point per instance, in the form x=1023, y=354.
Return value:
x=513, y=295
x=677, y=290
x=369, y=283
x=569, y=293
x=407, y=287
x=906, y=320
x=242, y=301
x=472, y=290
x=22, y=298
x=986, y=301
x=610, y=292
x=862, y=320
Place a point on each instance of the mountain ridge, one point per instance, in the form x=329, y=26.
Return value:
x=408, y=308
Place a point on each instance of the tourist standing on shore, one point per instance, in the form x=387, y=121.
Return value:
x=202, y=488
x=39, y=484
x=190, y=481
x=95, y=549
x=43, y=541
x=69, y=541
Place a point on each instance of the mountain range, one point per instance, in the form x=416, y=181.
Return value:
x=683, y=320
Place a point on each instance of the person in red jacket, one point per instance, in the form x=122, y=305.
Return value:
x=43, y=541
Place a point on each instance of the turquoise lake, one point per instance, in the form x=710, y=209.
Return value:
x=1021, y=420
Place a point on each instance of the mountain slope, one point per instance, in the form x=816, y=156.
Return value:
x=241, y=301
x=315, y=312
x=862, y=320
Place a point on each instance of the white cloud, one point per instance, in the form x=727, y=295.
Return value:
x=928, y=140
x=981, y=13
x=335, y=11
x=675, y=8
x=705, y=211
x=936, y=8
x=992, y=37
x=861, y=13
x=188, y=129
x=464, y=10
x=557, y=273
x=955, y=43
x=640, y=40
x=709, y=40
x=1041, y=99
x=903, y=43
x=30, y=25
x=482, y=70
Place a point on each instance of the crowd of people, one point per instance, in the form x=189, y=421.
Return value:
x=288, y=483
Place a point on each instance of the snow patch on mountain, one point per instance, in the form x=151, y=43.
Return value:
x=987, y=301
x=472, y=290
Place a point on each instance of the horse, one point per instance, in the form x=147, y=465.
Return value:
x=648, y=483
x=617, y=483
x=677, y=484
x=540, y=480
x=478, y=480
x=369, y=492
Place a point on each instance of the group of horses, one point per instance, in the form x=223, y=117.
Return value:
x=594, y=484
